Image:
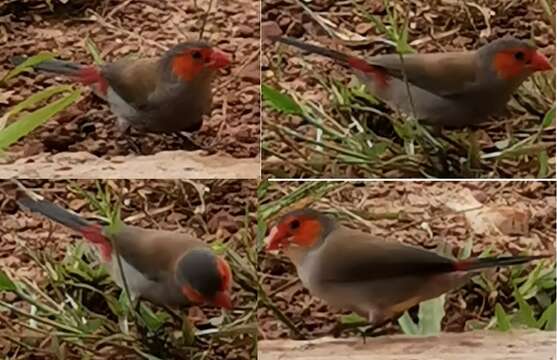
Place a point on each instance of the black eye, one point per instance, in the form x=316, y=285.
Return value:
x=196, y=55
x=519, y=55
x=294, y=224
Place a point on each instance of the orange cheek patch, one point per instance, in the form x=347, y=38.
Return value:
x=308, y=233
x=507, y=66
x=184, y=67
x=224, y=271
x=192, y=295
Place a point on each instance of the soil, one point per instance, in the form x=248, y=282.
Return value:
x=219, y=218
x=133, y=28
x=433, y=26
x=421, y=214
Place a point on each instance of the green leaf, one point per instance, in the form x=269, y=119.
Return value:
x=91, y=326
x=219, y=248
x=29, y=122
x=152, y=321
x=466, y=250
x=188, y=331
x=548, y=118
x=115, y=306
x=93, y=50
x=547, y=320
x=525, y=314
x=280, y=101
x=6, y=284
x=123, y=300
x=352, y=318
x=431, y=315
x=543, y=160
x=28, y=63
x=377, y=150
x=503, y=321
x=529, y=288
x=407, y=325
x=35, y=98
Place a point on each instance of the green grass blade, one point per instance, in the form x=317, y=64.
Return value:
x=280, y=101
x=547, y=320
x=24, y=126
x=35, y=98
x=352, y=318
x=548, y=118
x=30, y=62
x=503, y=321
x=5, y=283
x=407, y=325
x=431, y=315
x=94, y=51
x=525, y=313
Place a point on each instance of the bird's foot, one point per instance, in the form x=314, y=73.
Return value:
x=189, y=142
x=134, y=145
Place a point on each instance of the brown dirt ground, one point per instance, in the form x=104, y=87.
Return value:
x=454, y=27
x=169, y=205
x=122, y=28
x=408, y=212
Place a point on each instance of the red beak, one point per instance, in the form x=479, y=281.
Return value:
x=218, y=59
x=540, y=62
x=222, y=299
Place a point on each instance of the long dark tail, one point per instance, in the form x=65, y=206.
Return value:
x=54, y=66
x=335, y=55
x=92, y=232
x=85, y=74
x=352, y=61
x=488, y=262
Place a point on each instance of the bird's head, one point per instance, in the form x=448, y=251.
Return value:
x=304, y=228
x=205, y=278
x=189, y=60
x=512, y=58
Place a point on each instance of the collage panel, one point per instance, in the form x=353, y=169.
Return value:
x=344, y=266
x=129, y=89
x=182, y=286
x=406, y=89
x=277, y=179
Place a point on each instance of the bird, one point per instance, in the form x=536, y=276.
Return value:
x=167, y=268
x=452, y=89
x=169, y=94
x=376, y=278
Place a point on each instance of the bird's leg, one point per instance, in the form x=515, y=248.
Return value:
x=189, y=141
x=378, y=320
x=124, y=130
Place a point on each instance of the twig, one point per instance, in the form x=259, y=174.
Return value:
x=118, y=8
x=39, y=319
x=204, y=20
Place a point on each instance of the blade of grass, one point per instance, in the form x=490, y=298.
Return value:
x=28, y=123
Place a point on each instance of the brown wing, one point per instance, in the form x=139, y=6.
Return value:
x=133, y=80
x=445, y=74
x=153, y=252
x=350, y=256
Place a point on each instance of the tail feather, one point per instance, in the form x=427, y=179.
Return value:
x=332, y=54
x=55, y=212
x=92, y=232
x=488, y=262
x=352, y=61
x=87, y=75
x=53, y=66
